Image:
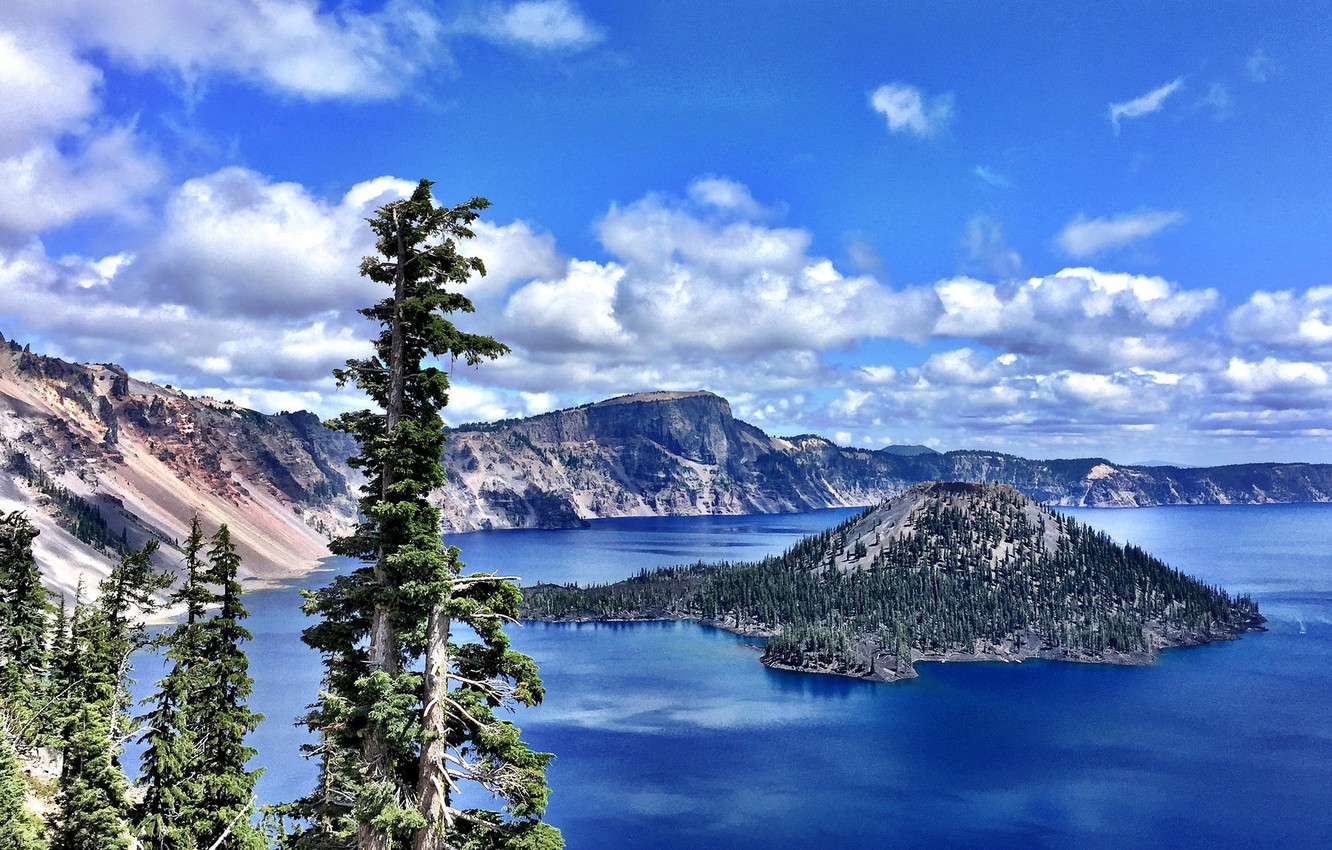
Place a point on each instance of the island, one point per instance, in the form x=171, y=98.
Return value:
x=943, y=571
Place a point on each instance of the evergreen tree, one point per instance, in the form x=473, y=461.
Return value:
x=197, y=793
x=395, y=742
x=220, y=714
x=19, y=829
x=25, y=610
x=92, y=801
x=169, y=766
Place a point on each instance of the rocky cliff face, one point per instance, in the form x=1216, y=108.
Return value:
x=668, y=454
x=103, y=462
x=99, y=456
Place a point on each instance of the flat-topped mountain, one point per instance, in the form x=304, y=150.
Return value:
x=664, y=454
x=941, y=572
x=102, y=462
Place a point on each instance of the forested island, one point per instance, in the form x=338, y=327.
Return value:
x=941, y=572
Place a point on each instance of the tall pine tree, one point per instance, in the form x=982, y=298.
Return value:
x=92, y=798
x=25, y=611
x=220, y=714
x=397, y=743
x=197, y=792
x=169, y=769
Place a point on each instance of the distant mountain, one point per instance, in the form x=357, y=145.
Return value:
x=102, y=462
x=683, y=453
x=105, y=461
x=941, y=572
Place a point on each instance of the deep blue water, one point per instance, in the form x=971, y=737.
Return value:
x=674, y=736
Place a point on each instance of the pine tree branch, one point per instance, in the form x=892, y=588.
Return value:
x=223, y=837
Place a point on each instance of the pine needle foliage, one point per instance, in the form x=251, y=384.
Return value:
x=25, y=612
x=93, y=810
x=197, y=792
x=407, y=718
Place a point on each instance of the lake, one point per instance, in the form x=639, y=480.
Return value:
x=674, y=736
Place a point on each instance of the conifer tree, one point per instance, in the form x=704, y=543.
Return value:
x=197, y=792
x=169, y=772
x=220, y=714
x=395, y=743
x=92, y=801
x=25, y=610
x=19, y=829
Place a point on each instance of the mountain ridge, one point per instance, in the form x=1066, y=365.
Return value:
x=90, y=447
x=686, y=454
x=103, y=462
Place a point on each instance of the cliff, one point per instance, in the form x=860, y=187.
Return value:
x=664, y=454
x=102, y=462
x=941, y=572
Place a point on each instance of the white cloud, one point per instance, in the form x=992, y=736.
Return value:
x=1146, y=104
x=234, y=243
x=1302, y=321
x=541, y=24
x=45, y=90
x=1075, y=318
x=688, y=280
x=105, y=174
x=992, y=178
x=573, y=312
x=292, y=46
x=726, y=195
x=908, y=110
x=58, y=162
x=512, y=253
x=1277, y=384
x=1259, y=65
x=1084, y=237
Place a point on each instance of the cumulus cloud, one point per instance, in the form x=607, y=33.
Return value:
x=1084, y=237
x=1146, y=104
x=292, y=46
x=688, y=278
x=541, y=24
x=46, y=92
x=58, y=161
x=1285, y=319
x=1076, y=318
x=725, y=195
x=236, y=243
x=908, y=110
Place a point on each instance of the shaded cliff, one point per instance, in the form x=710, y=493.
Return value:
x=685, y=453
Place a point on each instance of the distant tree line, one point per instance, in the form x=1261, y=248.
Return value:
x=76, y=515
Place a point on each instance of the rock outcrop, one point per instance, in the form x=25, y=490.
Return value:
x=665, y=454
x=103, y=462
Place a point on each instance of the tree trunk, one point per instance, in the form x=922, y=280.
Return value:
x=383, y=649
x=432, y=788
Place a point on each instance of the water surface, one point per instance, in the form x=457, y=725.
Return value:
x=674, y=736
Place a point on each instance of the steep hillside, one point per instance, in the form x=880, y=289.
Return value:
x=952, y=572
x=102, y=462
x=668, y=454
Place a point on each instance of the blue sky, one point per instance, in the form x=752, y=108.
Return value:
x=1054, y=229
